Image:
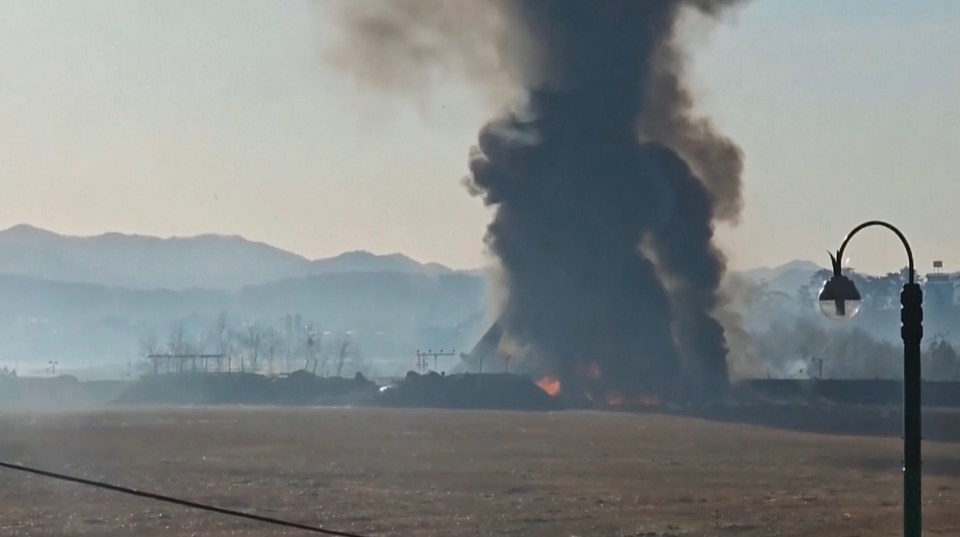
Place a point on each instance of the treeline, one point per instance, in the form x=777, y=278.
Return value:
x=288, y=344
x=83, y=326
x=790, y=338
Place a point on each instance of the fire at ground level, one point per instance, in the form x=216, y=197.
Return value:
x=478, y=390
x=870, y=408
x=591, y=389
x=389, y=472
x=585, y=385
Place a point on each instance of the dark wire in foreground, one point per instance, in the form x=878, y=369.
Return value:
x=176, y=501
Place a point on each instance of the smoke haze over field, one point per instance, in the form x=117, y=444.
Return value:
x=605, y=187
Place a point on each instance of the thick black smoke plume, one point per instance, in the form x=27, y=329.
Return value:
x=606, y=191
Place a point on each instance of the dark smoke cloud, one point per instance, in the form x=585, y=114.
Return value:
x=669, y=119
x=407, y=45
x=605, y=189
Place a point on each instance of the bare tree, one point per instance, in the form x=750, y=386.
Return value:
x=175, y=340
x=310, y=348
x=236, y=347
x=176, y=343
x=252, y=342
x=150, y=344
x=271, y=340
x=342, y=354
x=220, y=332
x=324, y=357
x=219, y=337
x=288, y=333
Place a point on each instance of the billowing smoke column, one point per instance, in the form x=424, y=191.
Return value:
x=605, y=192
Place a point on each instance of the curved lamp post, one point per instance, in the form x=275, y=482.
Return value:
x=840, y=299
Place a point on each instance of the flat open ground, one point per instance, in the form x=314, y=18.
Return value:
x=445, y=473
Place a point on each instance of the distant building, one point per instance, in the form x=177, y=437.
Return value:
x=940, y=288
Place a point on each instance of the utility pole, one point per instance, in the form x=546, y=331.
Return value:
x=819, y=362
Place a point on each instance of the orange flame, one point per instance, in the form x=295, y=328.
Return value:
x=551, y=385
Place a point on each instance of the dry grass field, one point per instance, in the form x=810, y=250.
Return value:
x=429, y=473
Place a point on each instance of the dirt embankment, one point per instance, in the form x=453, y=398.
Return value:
x=492, y=391
x=298, y=388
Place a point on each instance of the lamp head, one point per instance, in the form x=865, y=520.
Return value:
x=839, y=297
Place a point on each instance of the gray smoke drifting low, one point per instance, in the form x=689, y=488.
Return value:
x=605, y=187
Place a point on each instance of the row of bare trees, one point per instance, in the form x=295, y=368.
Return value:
x=282, y=347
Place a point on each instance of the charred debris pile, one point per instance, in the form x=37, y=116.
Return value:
x=494, y=391
x=502, y=391
x=462, y=391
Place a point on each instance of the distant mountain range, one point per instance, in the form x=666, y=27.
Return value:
x=89, y=300
x=203, y=261
x=786, y=278
x=225, y=262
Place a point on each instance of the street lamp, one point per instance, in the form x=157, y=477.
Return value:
x=840, y=299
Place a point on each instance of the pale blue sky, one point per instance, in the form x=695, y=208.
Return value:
x=189, y=116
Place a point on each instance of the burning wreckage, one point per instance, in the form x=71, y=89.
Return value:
x=605, y=186
x=491, y=354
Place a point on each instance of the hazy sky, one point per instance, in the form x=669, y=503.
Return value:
x=189, y=116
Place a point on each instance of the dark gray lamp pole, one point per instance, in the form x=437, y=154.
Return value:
x=840, y=299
